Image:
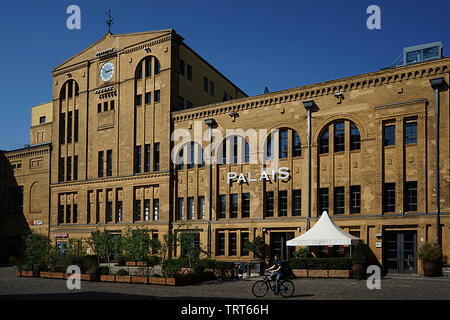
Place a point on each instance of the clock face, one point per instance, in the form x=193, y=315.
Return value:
x=107, y=71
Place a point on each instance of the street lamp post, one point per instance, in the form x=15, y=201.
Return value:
x=210, y=123
x=308, y=106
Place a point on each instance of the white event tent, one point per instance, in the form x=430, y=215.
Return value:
x=324, y=233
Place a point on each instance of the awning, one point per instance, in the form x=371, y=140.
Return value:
x=324, y=233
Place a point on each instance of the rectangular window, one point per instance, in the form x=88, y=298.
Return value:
x=105, y=106
x=75, y=126
x=410, y=132
x=282, y=203
x=339, y=200
x=235, y=149
x=155, y=209
x=211, y=88
x=181, y=71
x=323, y=200
x=148, y=67
x=109, y=211
x=146, y=209
x=189, y=104
x=205, y=84
x=61, y=169
x=189, y=72
x=69, y=169
x=68, y=213
x=15, y=200
x=222, y=207
x=62, y=128
x=111, y=105
x=100, y=163
x=69, y=127
x=245, y=205
x=389, y=197
x=220, y=244
x=99, y=107
x=156, y=156
x=339, y=136
x=233, y=205
x=147, y=158
x=244, y=239
x=119, y=207
x=411, y=196
x=269, y=204
x=355, y=199
x=139, y=99
x=232, y=244
x=283, y=145
x=137, y=210
x=157, y=95
x=180, y=208
x=180, y=103
x=201, y=207
x=148, y=97
x=355, y=138
x=138, y=159
x=297, y=202
x=324, y=142
x=389, y=135
x=109, y=163
x=61, y=214
x=75, y=213
x=190, y=208
x=42, y=119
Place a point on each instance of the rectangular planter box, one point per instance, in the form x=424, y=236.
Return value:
x=318, y=273
x=52, y=275
x=139, y=279
x=157, y=280
x=83, y=276
x=123, y=279
x=107, y=278
x=141, y=264
x=300, y=272
x=339, y=273
x=130, y=263
x=24, y=273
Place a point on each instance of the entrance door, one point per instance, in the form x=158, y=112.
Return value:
x=278, y=244
x=401, y=251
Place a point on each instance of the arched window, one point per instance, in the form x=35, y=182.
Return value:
x=355, y=137
x=147, y=67
x=194, y=155
x=237, y=153
x=296, y=145
x=340, y=137
x=323, y=142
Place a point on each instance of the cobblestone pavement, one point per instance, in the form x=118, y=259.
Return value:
x=392, y=288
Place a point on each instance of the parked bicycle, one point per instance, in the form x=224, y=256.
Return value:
x=261, y=287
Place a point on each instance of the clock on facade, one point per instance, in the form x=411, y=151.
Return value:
x=107, y=71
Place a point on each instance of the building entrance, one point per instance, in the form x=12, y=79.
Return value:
x=278, y=244
x=400, y=251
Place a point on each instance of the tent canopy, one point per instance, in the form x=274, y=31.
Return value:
x=324, y=233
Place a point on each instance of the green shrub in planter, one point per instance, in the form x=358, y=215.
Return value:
x=122, y=272
x=302, y=253
x=104, y=270
x=171, y=267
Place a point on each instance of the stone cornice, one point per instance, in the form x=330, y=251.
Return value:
x=26, y=152
x=110, y=180
x=146, y=44
x=364, y=81
x=71, y=68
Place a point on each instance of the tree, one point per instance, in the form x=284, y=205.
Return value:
x=37, y=251
x=137, y=245
x=256, y=246
x=102, y=243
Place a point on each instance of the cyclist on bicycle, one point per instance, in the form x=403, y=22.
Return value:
x=277, y=272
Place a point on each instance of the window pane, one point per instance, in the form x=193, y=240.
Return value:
x=245, y=205
x=269, y=204
x=389, y=197
x=283, y=144
x=355, y=199
x=411, y=196
x=282, y=203
x=323, y=200
x=296, y=145
x=410, y=132
x=233, y=205
x=339, y=136
x=296, y=202
x=389, y=135
x=355, y=137
x=339, y=202
x=324, y=142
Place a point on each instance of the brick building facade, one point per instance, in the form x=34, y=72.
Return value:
x=122, y=107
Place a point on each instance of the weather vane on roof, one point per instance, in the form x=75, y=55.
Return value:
x=110, y=20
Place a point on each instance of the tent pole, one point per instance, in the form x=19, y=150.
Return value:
x=350, y=250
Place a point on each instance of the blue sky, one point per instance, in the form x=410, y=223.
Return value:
x=279, y=44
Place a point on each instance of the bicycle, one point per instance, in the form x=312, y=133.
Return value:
x=261, y=287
